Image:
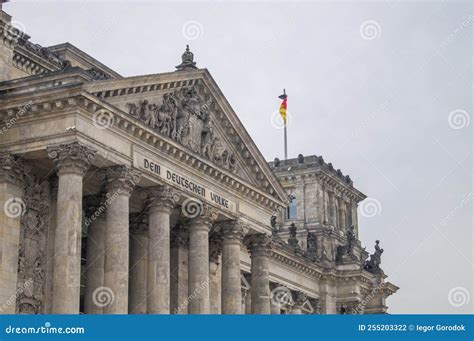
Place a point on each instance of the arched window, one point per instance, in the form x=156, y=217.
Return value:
x=291, y=211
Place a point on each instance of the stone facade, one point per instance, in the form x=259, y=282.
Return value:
x=146, y=195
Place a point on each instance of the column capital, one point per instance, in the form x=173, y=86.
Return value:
x=72, y=158
x=120, y=179
x=233, y=230
x=258, y=244
x=161, y=197
x=11, y=169
x=206, y=214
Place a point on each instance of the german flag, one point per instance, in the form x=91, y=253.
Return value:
x=283, y=106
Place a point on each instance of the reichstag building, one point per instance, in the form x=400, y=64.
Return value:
x=146, y=195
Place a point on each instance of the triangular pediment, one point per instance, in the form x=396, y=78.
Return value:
x=188, y=108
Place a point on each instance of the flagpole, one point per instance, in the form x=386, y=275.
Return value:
x=286, y=147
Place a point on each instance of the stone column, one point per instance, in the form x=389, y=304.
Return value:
x=12, y=207
x=179, y=270
x=198, y=274
x=71, y=161
x=355, y=221
x=259, y=247
x=327, y=297
x=215, y=272
x=53, y=195
x=138, y=264
x=120, y=181
x=233, y=233
x=342, y=216
x=161, y=200
x=332, y=210
x=95, y=252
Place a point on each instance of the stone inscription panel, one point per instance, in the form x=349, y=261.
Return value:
x=188, y=184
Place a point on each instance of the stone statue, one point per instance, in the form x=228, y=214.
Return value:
x=187, y=61
x=293, y=241
x=311, y=245
x=351, y=239
x=373, y=264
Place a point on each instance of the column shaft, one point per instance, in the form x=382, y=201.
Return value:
x=120, y=183
x=11, y=209
x=95, y=255
x=231, y=282
x=198, y=288
x=259, y=246
x=71, y=161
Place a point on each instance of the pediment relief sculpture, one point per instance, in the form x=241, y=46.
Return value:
x=185, y=118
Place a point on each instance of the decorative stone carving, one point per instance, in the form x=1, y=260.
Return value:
x=258, y=244
x=11, y=169
x=71, y=158
x=373, y=264
x=32, y=263
x=162, y=197
x=119, y=179
x=185, y=118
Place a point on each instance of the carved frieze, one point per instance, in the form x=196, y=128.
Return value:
x=186, y=119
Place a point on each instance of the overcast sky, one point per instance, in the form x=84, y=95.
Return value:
x=383, y=90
